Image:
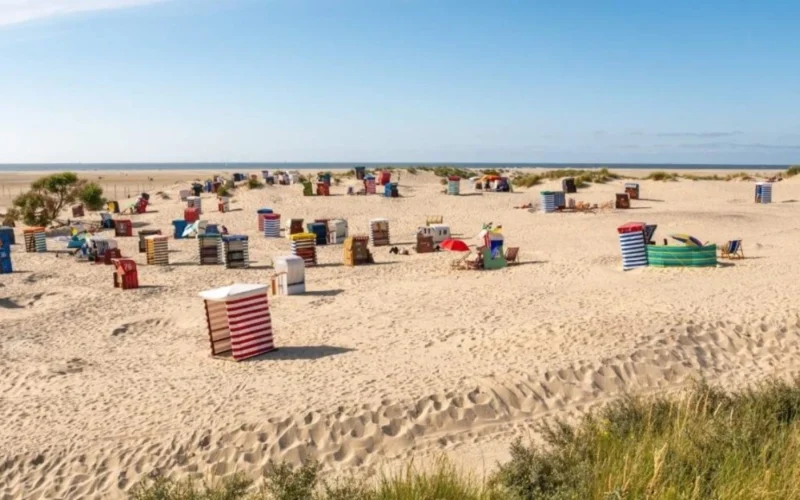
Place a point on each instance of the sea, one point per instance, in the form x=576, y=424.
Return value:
x=84, y=167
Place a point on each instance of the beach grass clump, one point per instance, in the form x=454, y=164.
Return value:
x=696, y=177
x=412, y=170
x=739, y=176
x=582, y=177
x=444, y=171
x=254, y=183
x=736, y=176
x=704, y=443
x=283, y=482
x=793, y=170
x=661, y=176
x=525, y=180
x=453, y=171
x=223, y=191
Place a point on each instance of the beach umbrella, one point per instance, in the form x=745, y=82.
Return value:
x=454, y=245
x=689, y=241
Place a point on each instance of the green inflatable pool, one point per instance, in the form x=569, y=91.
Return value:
x=677, y=256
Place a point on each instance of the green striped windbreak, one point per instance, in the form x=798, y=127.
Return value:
x=676, y=256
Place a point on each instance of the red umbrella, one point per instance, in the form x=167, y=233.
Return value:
x=454, y=245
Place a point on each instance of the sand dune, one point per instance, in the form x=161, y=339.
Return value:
x=405, y=358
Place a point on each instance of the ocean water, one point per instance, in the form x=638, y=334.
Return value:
x=84, y=167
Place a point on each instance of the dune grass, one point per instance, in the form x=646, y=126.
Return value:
x=661, y=176
x=254, y=183
x=445, y=171
x=582, y=177
x=793, y=170
x=705, y=443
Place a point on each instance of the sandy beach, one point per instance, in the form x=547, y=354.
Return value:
x=378, y=364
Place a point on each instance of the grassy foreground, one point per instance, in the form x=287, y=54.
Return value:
x=705, y=443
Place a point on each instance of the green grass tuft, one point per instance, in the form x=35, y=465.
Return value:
x=793, y=170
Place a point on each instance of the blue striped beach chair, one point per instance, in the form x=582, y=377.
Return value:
x=732, y=250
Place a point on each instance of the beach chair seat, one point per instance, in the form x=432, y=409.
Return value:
x=512, y=254
x=732, y=250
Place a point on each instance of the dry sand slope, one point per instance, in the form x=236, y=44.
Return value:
x=405, y=358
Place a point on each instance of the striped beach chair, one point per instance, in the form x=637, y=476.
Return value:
x=732, y=250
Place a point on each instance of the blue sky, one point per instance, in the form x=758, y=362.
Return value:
x=399, y=80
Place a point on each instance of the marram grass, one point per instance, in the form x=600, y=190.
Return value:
x=703, y=444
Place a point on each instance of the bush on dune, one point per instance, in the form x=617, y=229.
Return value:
x=793, y=170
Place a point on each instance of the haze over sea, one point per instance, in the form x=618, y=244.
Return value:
x=84, y=167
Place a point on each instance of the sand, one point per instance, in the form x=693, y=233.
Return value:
x=406, y=358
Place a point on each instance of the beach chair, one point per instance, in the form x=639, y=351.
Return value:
x=732, y=250
x=511, y=255
x=460, y=263
x=433, y=219
x=649, y=231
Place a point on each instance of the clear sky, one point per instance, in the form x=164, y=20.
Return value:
x=712, y=81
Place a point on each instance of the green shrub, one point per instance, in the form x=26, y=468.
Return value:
x=285, y=483
x=91, y=195
x=412, y=170
x=793, y=170
x=223, y=191
x=161, y=488
x=254, y=183
x=48, y=195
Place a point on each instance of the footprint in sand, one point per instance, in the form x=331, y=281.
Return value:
x=37, y=277
x=74, y=365
x=23, y=301
x=134, y=327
